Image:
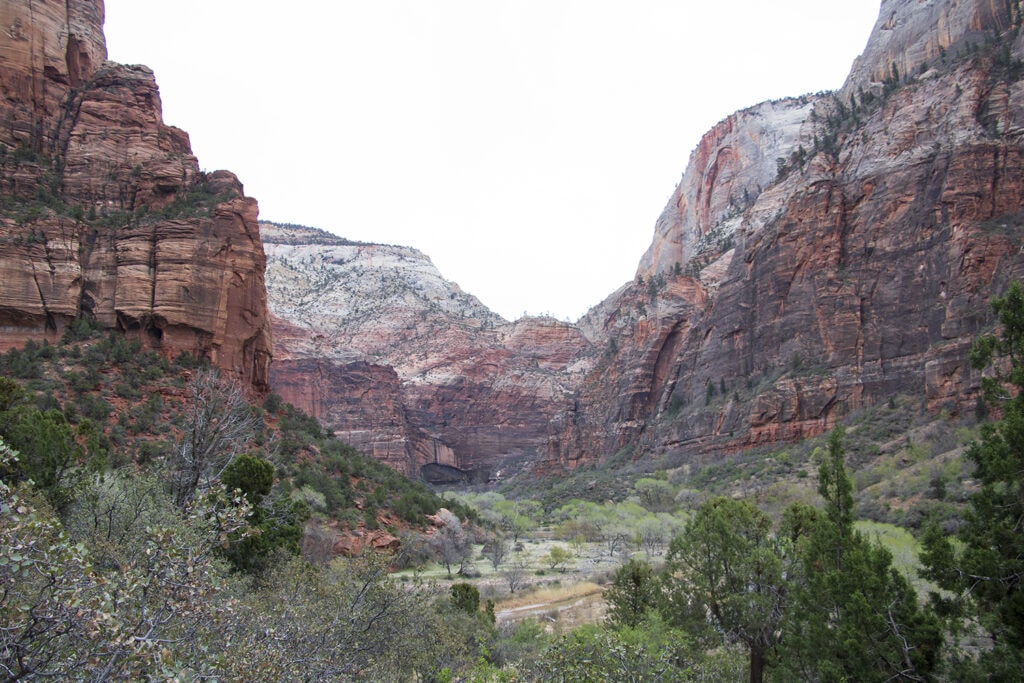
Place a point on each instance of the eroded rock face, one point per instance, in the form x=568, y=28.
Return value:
x=727, y=171
x=407, y=367
x=912, y=33
x=860, y=270
x=105, y=211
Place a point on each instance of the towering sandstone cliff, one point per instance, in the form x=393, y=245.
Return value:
x=825, y=253
x=103, y=209
x=819, y=255
x=408, y=367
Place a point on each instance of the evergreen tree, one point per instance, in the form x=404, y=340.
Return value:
x=45, y=441
x=853, y=617
x=465, y=597
x=727, y=568
x=634, y=591
x=273, y=528
x=986, y=573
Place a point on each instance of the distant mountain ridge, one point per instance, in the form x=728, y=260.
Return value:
x=405, y=365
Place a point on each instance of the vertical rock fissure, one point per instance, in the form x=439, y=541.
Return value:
x=152, y=264
x=995, y=183
x=83, y=252
x=35, y=136
x=65, y=126
x=50, y=323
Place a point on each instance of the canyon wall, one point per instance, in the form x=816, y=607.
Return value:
x=782, y=294
x=403, y=364
x=105, y=213
x=819, y=255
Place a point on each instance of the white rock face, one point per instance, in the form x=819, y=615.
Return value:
x=361, y=296
x=394, y=358
x=912, y=33
x=726, y=173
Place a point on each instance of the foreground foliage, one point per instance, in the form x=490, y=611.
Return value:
x=185, y=564
x=134, y=589
x=984, y=573
x=161, y=540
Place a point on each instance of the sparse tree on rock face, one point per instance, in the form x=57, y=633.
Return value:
x=218, y=425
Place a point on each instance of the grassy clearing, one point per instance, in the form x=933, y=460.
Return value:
x=905, y=550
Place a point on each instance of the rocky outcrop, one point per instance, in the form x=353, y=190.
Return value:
x=105, y=213
x=911, y=35
x=767, y=308
x=727, y=171
x=405, y=365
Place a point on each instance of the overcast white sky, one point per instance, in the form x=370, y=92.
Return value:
x=526, y=146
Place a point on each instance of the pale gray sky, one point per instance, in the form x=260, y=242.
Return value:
x=526, y=146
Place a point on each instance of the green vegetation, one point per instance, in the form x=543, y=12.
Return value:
x=146, y=509
x=49, y=199
x=727, y=568
x=120, y=469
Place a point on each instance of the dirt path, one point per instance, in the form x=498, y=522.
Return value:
x=572, y=610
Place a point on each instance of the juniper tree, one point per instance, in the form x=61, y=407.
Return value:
x=726, y=568
x=852, y=616
x=986, y=572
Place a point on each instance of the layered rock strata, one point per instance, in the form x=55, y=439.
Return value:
x=408, y=367
x=105, y=213
x=775, y=300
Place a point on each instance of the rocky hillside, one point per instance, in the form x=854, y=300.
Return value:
x=400, y=362
x=104, y=212
x=823, y=254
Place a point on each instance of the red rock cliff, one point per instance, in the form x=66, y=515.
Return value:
x=861, y=268
x=105, y=212
x=408, y=367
